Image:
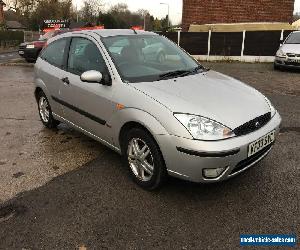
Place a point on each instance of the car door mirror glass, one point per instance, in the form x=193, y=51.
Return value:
x=91, y=76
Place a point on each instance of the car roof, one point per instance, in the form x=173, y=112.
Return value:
x=115, y=32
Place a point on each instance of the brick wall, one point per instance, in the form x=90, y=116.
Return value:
x=236, y=11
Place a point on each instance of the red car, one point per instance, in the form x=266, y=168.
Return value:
x=31, y=50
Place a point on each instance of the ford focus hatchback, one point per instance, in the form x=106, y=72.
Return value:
x=144, y=97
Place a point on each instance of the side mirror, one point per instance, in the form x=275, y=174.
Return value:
x=91, y=76
x=96, y=76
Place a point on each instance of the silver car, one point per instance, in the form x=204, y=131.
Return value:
x=165, y=117
x=288, y=55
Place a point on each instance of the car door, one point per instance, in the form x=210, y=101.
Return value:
x=87, y=105
x=51, y=70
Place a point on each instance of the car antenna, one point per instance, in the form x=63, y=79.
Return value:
x=134, y=31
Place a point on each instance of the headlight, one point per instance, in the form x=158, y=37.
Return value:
x=280, y=53
x=273, y=110
x=202, y=128
x=30, y=46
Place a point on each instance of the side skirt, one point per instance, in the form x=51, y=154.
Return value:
x=60, y=118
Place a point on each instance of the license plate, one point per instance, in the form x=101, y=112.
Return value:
x=261, y=143
x=21, y=52
x=294, y=60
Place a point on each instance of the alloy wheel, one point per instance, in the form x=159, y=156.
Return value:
x=44, y=109
x=140, y=159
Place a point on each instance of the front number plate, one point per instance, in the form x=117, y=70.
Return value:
x=294, y=60
x=261, y=143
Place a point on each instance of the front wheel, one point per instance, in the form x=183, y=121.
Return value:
x=144, y=159
x=276, y=67
x=30, y=60
x=45, y=111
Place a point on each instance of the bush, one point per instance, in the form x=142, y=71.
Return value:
x=11, y=38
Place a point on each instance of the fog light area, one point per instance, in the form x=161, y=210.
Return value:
x=211, y=173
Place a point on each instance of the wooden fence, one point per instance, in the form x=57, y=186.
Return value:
x=248, y=46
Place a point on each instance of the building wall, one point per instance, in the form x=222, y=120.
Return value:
x=236, y=11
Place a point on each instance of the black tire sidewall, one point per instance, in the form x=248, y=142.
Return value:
x=160, y=172
x=52, y=123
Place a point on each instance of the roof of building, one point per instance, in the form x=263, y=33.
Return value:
x=296, y=23
x=238, y=27
x=14, y=25
x=2, y=3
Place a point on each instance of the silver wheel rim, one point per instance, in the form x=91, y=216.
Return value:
x=140, y=159
x=44, y=109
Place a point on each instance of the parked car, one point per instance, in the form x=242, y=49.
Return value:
x=31, y=50
x=288, y=55
x=175, y=117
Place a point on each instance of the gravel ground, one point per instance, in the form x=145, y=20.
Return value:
x=61, y=190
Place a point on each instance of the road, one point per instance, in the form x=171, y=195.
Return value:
x=62, y=190
x=8, y=56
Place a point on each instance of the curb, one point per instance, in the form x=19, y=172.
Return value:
x=17, y=64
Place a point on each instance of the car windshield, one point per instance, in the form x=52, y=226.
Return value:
x=147, y=58
x=293, y=38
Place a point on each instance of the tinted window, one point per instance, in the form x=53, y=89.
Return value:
x=84, y=55
x=54, y=53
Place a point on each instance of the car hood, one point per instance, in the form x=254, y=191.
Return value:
x=291, y=48
x=24, y=44
x=211, y=95
x=37, y=41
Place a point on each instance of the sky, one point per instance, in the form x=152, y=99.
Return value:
x=157, y=10
x=153, y=6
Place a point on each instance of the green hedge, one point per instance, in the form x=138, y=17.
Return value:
x=9, y=37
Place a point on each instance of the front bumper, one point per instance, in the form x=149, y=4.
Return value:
x=29, y=53
x=231, y=153
x=286, y=62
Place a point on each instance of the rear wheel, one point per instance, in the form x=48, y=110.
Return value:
x=45, y=111
x=143, y=159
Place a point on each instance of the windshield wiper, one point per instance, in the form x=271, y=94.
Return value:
x=181, y=73
x=174, y=73
x=199, y=67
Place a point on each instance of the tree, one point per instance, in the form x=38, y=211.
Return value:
x=91, y=10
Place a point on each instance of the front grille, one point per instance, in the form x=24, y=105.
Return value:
x=292, y=63
x=245, y=163
x=293, y=55
x=252, y=125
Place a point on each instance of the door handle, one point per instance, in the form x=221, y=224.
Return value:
x=66, y=80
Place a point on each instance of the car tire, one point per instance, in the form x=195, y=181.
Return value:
x=276, y=67
x=143, y=159
x=45, y=111
x=29, y=60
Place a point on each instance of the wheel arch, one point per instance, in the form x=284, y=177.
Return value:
x=130, y=118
